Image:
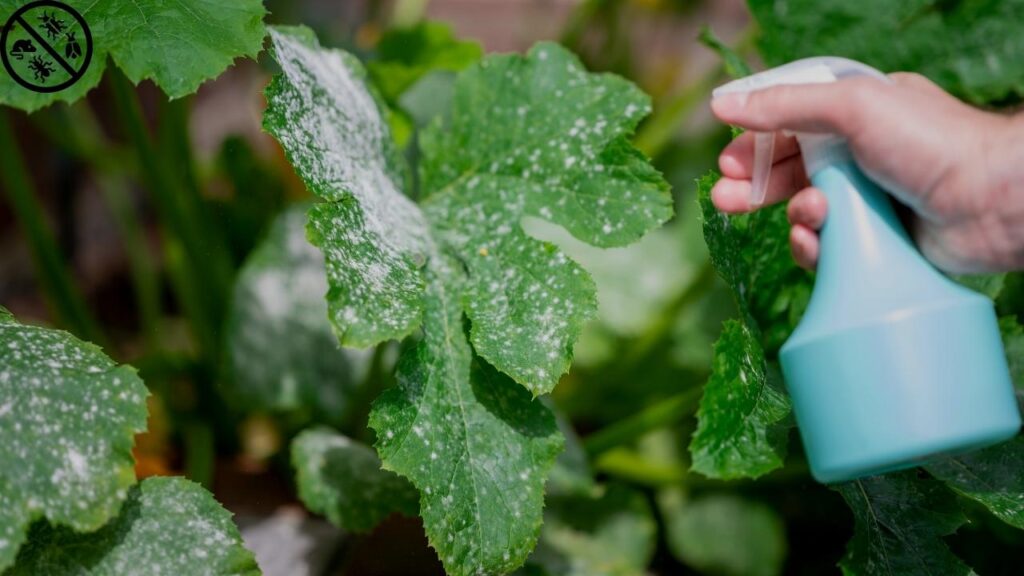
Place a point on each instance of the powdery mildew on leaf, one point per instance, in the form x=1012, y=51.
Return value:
x=68, y=417
x=536, y=136
x=899, y=522
x=168, y=526
x=178, y=49
x=740, y=431
x=549, y=143
x=474, y=442
x=375, y=240
x=284, y=356
x=991, y=477
x=343, y=480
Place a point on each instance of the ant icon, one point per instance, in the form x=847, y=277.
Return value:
x=41, y=69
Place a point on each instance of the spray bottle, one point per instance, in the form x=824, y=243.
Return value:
x=892, y=363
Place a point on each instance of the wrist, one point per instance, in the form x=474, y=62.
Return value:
x=1002, y=185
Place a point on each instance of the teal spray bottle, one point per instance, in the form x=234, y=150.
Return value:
x=892, y=363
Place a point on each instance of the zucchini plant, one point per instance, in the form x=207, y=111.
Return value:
x=495, y=311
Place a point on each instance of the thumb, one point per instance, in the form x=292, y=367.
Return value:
x=837, y=107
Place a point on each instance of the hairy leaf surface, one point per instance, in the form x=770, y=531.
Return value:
x=68, y=418
x=166, y=526
x=526, y=136
x=343, y=480
x=474, y=442
x=974, y=49
x=991, y=476
x=178, y=49
x=741, y=421
x=741, y=429
x=899, y=524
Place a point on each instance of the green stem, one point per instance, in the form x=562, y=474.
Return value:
x=641, y=348
x=669, y=115
x=664, y=413
x=144, y=276
x=76, y=129
x=195, y=271
x=57, y=281
x=199, y=452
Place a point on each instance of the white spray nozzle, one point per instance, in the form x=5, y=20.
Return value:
x=818, y=70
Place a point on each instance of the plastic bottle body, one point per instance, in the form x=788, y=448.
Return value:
x=892, y=363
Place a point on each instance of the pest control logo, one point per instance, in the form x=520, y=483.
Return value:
x=46, y=46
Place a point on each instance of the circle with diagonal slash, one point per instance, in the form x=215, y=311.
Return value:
x=46, y=46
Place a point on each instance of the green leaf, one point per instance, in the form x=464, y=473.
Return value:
x=405, y=55
x=536, y=136
x=343, y=480
x=374, y=239
x=178, y=49
x=742, y=428
x=166, y=526
x=284, y=357
x=751, y=253
x=724, y=534
x=990, y=285
x=974, y=49
x=991, y=476
x=474, y=442
x=609, y=535
x=899, y=522
x=68, y=419
x=527, y=136
x=1013, y=344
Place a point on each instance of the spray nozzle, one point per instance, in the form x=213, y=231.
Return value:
x=807, y=71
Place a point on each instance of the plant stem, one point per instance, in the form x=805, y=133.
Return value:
x=144, y=276
x=199, y=452
x=661, y=330
x=669, y=115
x=197, y=272
x=76, y=129
x=664, y=413
x=57, y=281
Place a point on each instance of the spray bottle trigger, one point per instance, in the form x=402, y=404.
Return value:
x=764, y=150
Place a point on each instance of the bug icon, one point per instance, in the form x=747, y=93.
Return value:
x=45, y=45
x=72, y=49
x=52, y=25
x=41, y=68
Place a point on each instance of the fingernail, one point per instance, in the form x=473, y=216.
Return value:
x=729, y=105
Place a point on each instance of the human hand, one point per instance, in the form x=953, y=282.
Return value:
x=958, y=168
